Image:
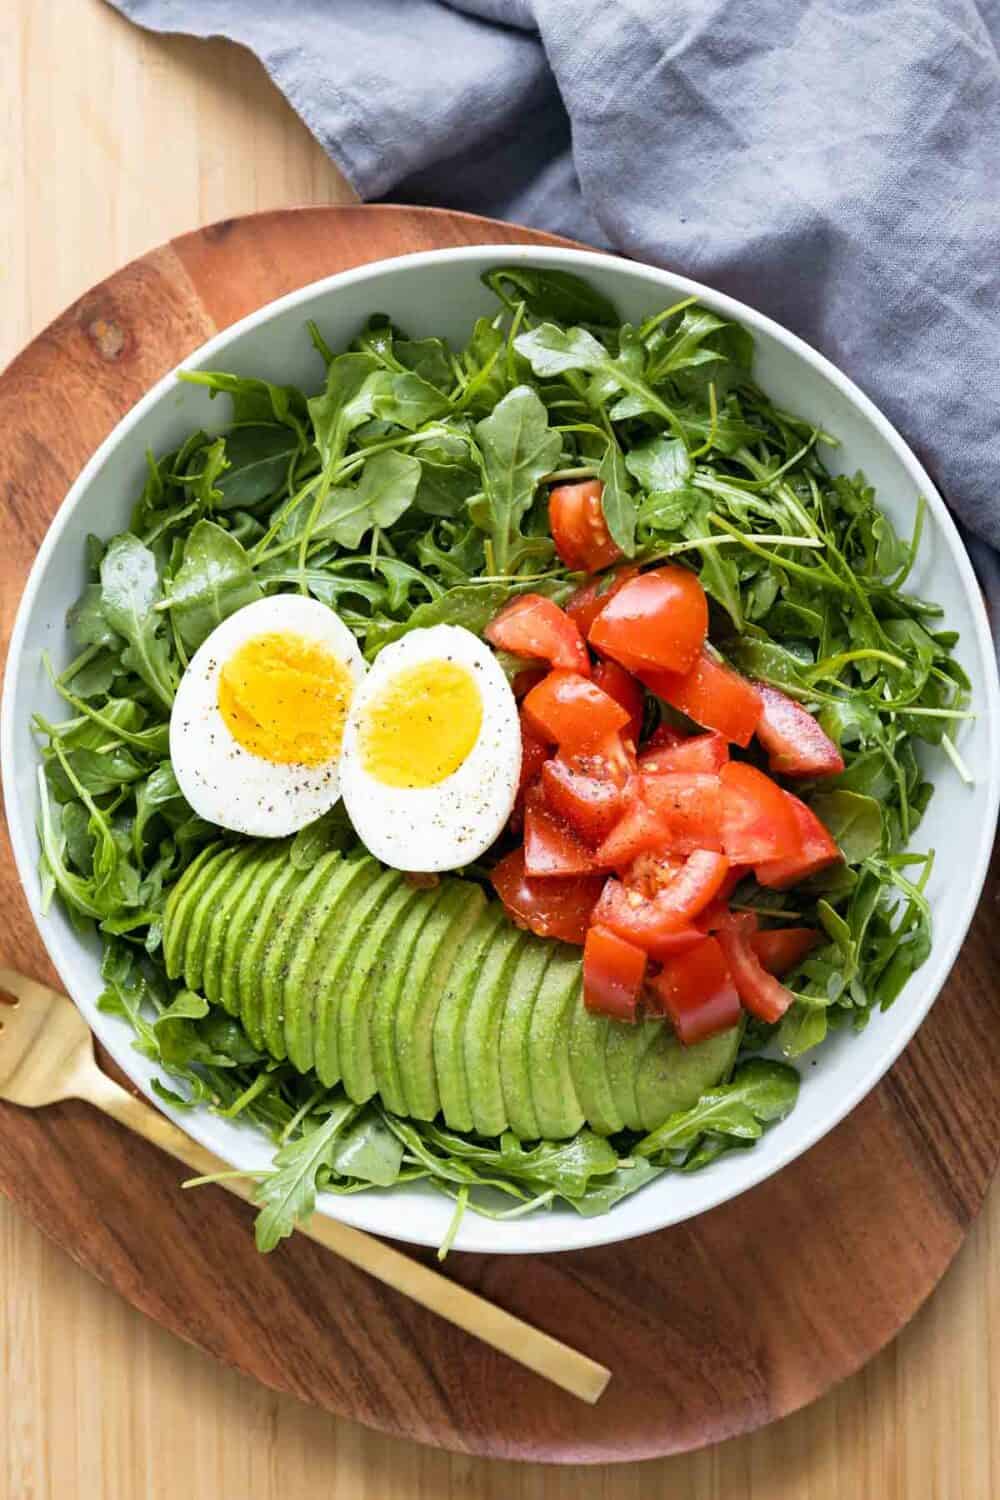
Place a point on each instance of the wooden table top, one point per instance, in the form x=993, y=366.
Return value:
x=115, y=141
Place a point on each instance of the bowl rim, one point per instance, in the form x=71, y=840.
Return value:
x=475, y=1233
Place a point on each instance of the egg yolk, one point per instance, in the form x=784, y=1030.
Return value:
x=422, y=725
x=285, y=699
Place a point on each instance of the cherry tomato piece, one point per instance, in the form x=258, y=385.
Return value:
x=586, y=604
x=663, y=922
x=572, y=712
x=795, y=743
x=783, y=948
x=579, y=530
x=554, y=907
x=707, y=753
x=591, y=805
x=658, y=620
x=626, y=691
x=816, y=850
x=613, y=974
x=758, y=822
x=551, y=847
x=534, y=626
x=762, y=994
x=711, y=694
x=696, y=991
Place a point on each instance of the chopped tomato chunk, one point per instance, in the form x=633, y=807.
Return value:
x=782, y=948
x=758, y=822
x=696, y=752
x=659, y=619
x=572, y=711
x=532, y=625
x=625, y=690
x=696, y=990
x=579, y=530
x=663, y=922
x=711, y=694
x=586, y=604
x=554, y=907
x=534, y=754
x=613, y=974
x=525, y=680
x=611, y=759
x=550, y=845
x=795, y=743
x=671, y=814
x=816, y=850
x=762, y=994
x=591, y=805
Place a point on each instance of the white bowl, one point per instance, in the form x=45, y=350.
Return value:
x=439, y=292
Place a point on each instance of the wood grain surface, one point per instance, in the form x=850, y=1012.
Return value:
x=117, y=140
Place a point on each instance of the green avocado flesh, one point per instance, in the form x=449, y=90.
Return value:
x=428, y=997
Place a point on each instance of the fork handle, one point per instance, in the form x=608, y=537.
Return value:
x=537, y=1351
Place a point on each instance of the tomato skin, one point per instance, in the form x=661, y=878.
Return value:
x=626, y=691
x=711, y=694
x=780, y=949
x=762, y=994
x=534, y=754
x=613, y=974
x=591, y=805
x=717, y=910
x=758, y=822
x=663, y=923
x=586, y=604
x=658, y=620
x=672, y=814
x=817, y=849
x=534, y=626
x=572, y=711
x=553, y=908
x=707, y=753
x=795, y=743
x=579, y=530
x=696, y=991
x=689, y=806
x=551, y=848
x=611, y=759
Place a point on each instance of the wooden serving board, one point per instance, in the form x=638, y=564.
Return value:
x=711, y=1328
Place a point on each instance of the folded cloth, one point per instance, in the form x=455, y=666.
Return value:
x=835, y=163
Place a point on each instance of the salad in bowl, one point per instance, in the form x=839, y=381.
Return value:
x=498, y=765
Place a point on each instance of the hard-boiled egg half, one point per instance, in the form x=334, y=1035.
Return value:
x=432, y=751
x=258, y=723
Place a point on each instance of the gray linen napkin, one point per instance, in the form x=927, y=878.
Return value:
x=835, y=163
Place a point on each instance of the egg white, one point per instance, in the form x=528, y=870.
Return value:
x=447, y=826
x=225, y=783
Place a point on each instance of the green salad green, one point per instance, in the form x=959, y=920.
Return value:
x=410, y=490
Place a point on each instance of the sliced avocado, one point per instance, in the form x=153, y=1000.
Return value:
x=626, y=1043
x=243, y=924
x=182, y=902
x=525, y=985
x=588, y=1035
x=266, y=925
x=311, y=967
x=388, y=998
x=553, y=1092
x=201, y=914
x=282, y=948
x=241, y=875
x=449, y=1023
x=484, y=1023
x=361, y=977
x=672, y=1076
x=434, y=956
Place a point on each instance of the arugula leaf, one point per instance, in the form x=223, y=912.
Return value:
x=554, y=294
x=384, y=492
x=345, y=403
x=288, y=1193
x=518, y=449
x=214, y=580
x=616, y=499
x=258, y=459
x=854, y=820
x=472, y=606
x=761, y=1092
x=130, y=587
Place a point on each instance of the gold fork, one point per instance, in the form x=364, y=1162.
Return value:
x=47, y=1054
